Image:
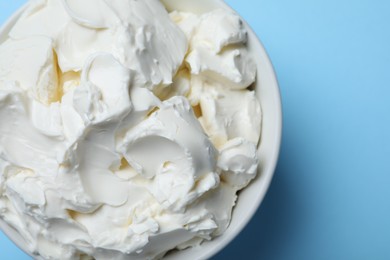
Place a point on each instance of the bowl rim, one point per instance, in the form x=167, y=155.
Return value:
x=16, y=238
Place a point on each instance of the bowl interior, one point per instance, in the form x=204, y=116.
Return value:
x=268, y=93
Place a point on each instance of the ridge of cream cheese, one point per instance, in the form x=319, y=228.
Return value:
x=126, y=131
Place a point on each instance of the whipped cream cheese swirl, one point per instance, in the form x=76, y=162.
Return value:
x=126, y=131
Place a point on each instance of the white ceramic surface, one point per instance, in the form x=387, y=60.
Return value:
x=268, y=92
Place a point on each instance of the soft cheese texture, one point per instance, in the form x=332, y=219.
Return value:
x=125, y=131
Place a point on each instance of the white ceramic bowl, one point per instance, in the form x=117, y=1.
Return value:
x=268, y=92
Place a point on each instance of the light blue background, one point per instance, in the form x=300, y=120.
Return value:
x=330, y=198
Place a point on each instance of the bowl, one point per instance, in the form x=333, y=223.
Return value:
x=267, y=91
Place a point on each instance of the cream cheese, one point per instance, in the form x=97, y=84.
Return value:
x=125, y=131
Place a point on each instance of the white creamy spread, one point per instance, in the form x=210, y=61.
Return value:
x=125, y=131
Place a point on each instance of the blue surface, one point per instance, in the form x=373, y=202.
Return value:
x=330, y=198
